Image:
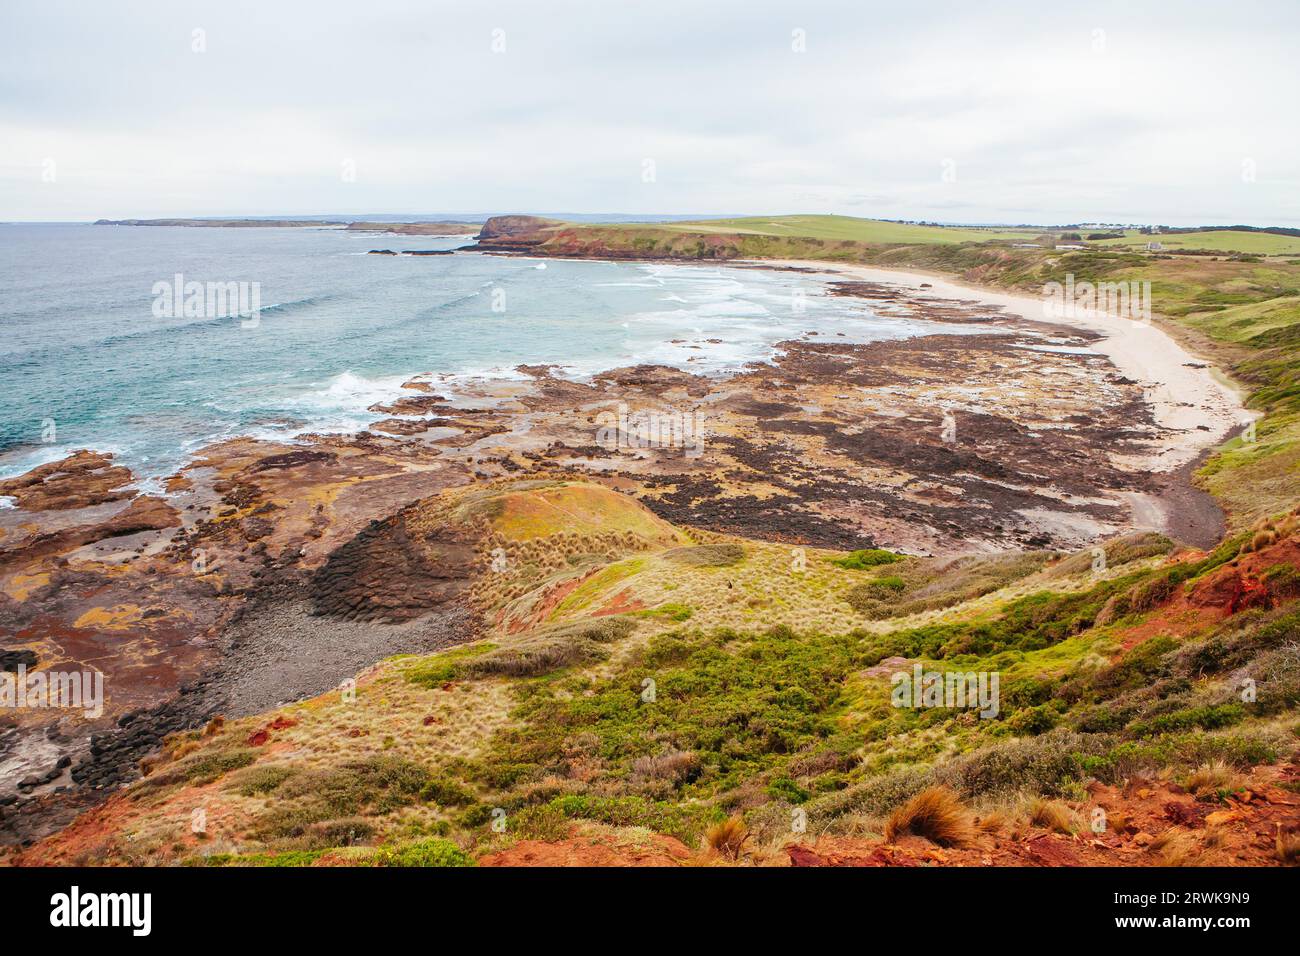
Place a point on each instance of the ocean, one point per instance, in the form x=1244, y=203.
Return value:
x=87, y=361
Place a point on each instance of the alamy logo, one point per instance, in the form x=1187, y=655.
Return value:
x=650, y=429
x=71, y=690
x=179, y=299
x=103, y=909
x=953, y=689
x=1123, y=300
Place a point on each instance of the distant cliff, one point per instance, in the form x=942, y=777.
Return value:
x=417, y=228
x=525, y=228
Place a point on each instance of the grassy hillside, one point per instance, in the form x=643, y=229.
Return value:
x=1217, y=240
x=669, y=692
x=844, y=228
x=644, y=692
x=881, y=232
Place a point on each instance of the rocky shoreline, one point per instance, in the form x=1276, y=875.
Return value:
x=201, y=601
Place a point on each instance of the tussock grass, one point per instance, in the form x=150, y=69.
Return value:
x=1175, y=847
x=1052, y=815
x=936, y=814
x=673, y=766
x=1286, y=847
x=260, y=779
x=1117, y=551
x=707, y=555
x=1213, y=778
x=914, y=585
x=203, y=767
x=550, y=649
x=728, y=838
x=360, y=788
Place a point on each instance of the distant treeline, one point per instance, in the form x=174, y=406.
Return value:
x=1174, y=230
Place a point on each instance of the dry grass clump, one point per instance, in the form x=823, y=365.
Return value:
x=1286, y=847
x=1175, y=847
x=534, y=657
x=1212, y=778
x=936, y=814
x=1264, y=533
x=915, y=585
x=551, y=649
x=1052, y=815
x=707, y=555
x=259, y=779
x=1118, y=551
x=1263, y=539
x=728, y=837
x=673, y=766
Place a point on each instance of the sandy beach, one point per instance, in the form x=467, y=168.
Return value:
x=1197, y=409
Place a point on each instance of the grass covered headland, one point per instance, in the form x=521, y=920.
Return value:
x=648, y=693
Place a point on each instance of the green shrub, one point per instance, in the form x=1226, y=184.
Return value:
x=433, y=852
x=877, y=794
x=1032, y=720
x=1118, y=551
x=202, y=768
x=740, y=703
x=289, y=858
x=1153, y=593
x=783, y=788
x=939, y=583
x=260, y=779
x=1138, y=668
x=1027, y=692
x=867, y=558
x=1045, y=765
x=475, y=816
x=446, y=792
x=1277, y=673
x=370, y=787
x=867, y=596
x=547, y=823
x=1207, y=718
x=348, y=831
x=1283, y=581
x=686, y=822
x=438, y=669
x=671, y=610
x=550, y=649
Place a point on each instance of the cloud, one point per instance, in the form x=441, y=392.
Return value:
x=1044, y=112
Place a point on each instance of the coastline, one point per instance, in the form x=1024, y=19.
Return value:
x=1182, y=389
x=257, y=546
x=1188, y=397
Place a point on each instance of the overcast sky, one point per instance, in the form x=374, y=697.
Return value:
x=1172, y=112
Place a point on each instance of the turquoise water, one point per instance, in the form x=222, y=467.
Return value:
x=82, y=348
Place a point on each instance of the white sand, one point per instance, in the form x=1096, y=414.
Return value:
x=1182, y=396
